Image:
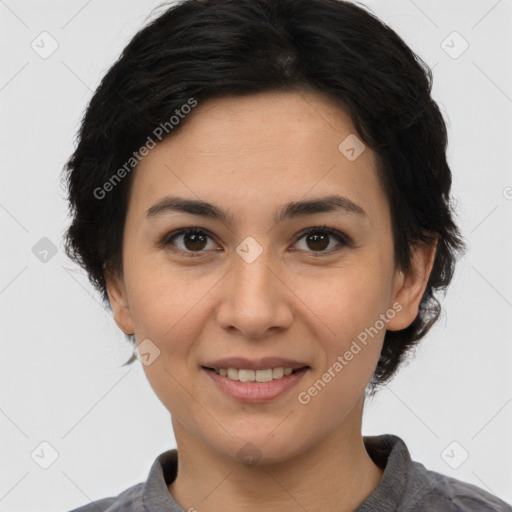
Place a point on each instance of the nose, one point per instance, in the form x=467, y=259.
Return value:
x=254, y=299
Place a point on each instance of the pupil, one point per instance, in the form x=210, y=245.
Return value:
x=315, y=238
x=191, y=241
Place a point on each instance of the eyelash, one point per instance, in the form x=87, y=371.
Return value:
x=323, y=230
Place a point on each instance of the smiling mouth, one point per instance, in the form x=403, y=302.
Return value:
x=248, y=375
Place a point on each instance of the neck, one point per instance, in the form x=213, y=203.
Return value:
x=337, y=474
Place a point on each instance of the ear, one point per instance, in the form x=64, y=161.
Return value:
x=117, y=296
x=409, y=288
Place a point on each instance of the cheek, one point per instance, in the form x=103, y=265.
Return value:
x=163, y=299
x=350, y=304
x=168, y=380
x=347, y=298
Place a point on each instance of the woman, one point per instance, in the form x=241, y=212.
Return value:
x=260, y=193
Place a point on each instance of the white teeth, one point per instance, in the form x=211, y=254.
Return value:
x=264, y=375
x=245, y=375
x=277, y=373
x=232, y=374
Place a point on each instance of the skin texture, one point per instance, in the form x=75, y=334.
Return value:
x=249, y=156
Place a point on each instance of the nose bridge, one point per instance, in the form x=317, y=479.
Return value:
x=253, y=299
x=252, y=279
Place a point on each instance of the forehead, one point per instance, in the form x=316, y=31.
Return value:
x=251, y=123
x=260, y=149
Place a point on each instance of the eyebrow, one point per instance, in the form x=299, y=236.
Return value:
x=333, y=203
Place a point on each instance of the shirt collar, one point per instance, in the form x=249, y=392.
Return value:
x=155, y=493
x=388, y=451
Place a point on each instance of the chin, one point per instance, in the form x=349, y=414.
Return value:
x=261, y=449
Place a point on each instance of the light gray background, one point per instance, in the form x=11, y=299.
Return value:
x=60, y=380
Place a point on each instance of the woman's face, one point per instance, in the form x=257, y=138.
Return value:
x=251, y=290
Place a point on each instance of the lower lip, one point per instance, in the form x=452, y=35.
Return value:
x=256, y=391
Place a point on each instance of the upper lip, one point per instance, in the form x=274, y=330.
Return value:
x=254, y=364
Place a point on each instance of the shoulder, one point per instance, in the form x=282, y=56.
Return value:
x=150, y=495
x=408, y=486
x=128, y=500
x=429, y=490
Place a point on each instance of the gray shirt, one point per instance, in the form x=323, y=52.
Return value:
x=406, y=486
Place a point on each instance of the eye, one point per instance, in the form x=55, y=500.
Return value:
x=318, y=239
x=194, y=240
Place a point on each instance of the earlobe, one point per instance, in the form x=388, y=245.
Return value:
x=117, y=296
x=410, y=287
